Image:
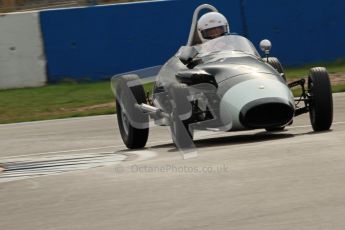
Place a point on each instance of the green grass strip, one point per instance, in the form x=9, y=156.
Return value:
x=84, y=99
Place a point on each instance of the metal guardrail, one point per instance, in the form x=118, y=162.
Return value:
x=23, y=5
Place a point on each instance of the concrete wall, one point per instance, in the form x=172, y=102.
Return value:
x=22, y=62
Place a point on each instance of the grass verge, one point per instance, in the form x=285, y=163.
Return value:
x=56, y=101
x=337, y=66
x=84, y=99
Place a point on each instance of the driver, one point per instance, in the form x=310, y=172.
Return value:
x=212, y=25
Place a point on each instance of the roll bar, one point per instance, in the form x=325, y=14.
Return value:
x=193, y=35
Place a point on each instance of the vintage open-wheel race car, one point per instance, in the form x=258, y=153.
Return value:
x=220, y=85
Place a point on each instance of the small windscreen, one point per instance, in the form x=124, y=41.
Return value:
x=227, y=43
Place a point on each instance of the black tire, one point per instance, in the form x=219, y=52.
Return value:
x=275, y=63
x=132, y=122
x=321, y=104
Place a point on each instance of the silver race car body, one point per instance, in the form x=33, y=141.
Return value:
x=220, y=85
x=252, y=93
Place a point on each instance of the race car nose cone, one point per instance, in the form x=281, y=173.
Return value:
x=266, y=112
x=260, y=102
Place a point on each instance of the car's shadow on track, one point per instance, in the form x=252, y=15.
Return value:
x=235, y=139
x=241, y=139
x=231, y=140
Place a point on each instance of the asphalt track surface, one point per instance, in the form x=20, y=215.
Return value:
x=77, y=174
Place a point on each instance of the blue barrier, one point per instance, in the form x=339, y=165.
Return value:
x=300, y=31
x=96, y=42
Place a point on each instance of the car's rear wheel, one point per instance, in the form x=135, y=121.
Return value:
x=321, y=102
x=275, y=63
x=132, y=122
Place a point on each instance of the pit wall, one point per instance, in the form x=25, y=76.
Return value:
x=94, y=43
x=22, y=61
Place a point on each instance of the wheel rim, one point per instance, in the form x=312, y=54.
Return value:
x=125, y=122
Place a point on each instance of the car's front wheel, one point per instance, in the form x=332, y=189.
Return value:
x=132, y=122
x=321, y=100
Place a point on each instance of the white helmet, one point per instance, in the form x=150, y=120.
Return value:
x=212, y=25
